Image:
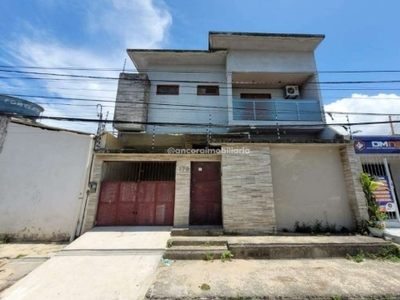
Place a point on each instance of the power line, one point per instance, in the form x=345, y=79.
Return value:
x=185, y=81
x=71, y=119
x=186, y=71
x=191, y=106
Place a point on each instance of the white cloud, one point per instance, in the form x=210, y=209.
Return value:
x=149, y=30
x=359, y=103
x=126, y=23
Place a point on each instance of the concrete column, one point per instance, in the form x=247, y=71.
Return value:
x=92, y=198
x=352, y=169
x=247, y=191
x=229, y=96
x=182, y=193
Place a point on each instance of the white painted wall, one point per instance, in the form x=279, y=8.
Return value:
x=309, y=184
x=270, y=61
x=187, y=107
x=42, y=182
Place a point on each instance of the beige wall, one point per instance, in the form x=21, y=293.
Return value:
x=309, y=184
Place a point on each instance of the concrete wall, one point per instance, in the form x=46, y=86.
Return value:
x=132, y=101
x=3, y=130
x=187, y=107
x=309, y=184
x=270, y=61
x=42, y=182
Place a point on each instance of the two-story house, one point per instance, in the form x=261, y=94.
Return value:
x=233, y=136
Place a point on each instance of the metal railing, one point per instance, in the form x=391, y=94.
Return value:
x=276, y=110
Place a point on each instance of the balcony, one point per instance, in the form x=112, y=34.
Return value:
x=270, y=110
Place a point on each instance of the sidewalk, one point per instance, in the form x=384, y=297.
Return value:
x=277, y=279
x=104, y=263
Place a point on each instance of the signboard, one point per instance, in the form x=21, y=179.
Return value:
x=19, y=106
x=376, y=144
x=383, y=195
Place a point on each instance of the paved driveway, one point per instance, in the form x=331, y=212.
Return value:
x=104, y=263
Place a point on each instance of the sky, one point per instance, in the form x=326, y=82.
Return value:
x=92, y=36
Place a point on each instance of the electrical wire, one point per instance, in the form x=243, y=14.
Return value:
x=70, y=119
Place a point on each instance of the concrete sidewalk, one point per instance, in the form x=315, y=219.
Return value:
x=105, y=263
x=277, y=279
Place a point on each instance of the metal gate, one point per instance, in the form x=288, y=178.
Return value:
x=386, y=195
x=139, y=193
x=205, y=198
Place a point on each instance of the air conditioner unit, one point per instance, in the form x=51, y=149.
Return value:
x=291, y=91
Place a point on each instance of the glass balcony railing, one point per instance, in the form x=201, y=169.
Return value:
x=276, y=110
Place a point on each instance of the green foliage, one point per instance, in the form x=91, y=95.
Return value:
x=208, y=256
x=370, y=184
x=390, y=253
x=21, y=255
x=169, y=244
x=336, y=297
x=316, y=228
x=205, y=287
x=232, y=233
x=360, y=257
x=5, y=240
x=227, y=255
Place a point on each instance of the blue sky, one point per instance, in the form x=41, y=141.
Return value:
x=360, y=35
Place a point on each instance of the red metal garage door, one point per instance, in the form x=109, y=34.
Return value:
x=136, y=203
x=205, y=200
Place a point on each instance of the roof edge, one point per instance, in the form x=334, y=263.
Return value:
x=294, y=35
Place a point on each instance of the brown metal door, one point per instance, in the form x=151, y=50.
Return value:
x=107, y=207
x=142, y=203
x=205, y=200
x=127, y=204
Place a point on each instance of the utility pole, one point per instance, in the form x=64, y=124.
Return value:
x=391, y=125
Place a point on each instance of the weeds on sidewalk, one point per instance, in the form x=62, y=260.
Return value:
x=389, y=253
x=21, y=255
x=205, y=287
x=231, y=233
x=208, y=256
x=317, y=228
x=227, y=255
x=5, y=240
x=360, y=257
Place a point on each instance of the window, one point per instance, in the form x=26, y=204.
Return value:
x=167, y=89
x=208, y=90
x=255, y=96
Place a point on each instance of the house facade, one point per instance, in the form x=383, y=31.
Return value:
x=233, y=136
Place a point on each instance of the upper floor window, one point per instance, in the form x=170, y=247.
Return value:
x=167, y=89
x=210, y=90
x=255, y=96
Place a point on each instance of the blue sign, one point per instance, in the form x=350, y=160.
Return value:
x=376, y=144
x=19, y=107
x=383, y=195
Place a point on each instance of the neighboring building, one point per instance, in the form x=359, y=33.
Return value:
x=254, y=99
x=43, y=180
x=380, y=156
